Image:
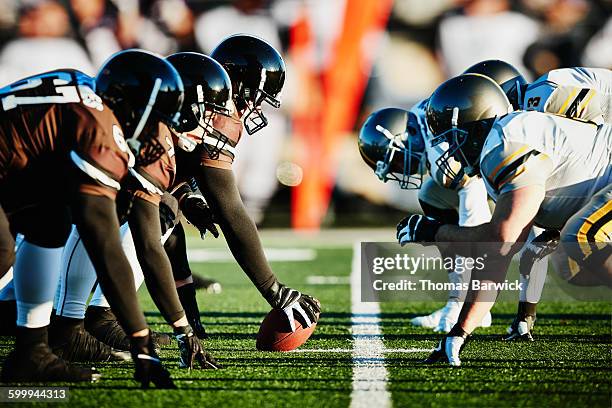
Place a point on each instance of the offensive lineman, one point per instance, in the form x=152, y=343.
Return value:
x=540, y=168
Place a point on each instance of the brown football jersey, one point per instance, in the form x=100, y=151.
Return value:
x=49, y=124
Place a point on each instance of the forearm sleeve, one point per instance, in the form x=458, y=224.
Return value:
x=96, y=220
x=145, y=226
x=221, y=193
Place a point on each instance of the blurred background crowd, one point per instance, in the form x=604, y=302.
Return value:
x=344, y=59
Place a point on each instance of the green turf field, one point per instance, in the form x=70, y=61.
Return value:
x=570, y=364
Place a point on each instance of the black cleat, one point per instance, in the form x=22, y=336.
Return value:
x=103, y=325
x=521, y=329
x=38, y=364
x=69, y=340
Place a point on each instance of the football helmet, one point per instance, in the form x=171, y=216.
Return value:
x=390, y=142
x=208, y=91
x=141, y=89
x=461, y=112
x=257, y=72
x=504, y=75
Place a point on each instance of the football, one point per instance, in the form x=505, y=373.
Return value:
x=275, y=333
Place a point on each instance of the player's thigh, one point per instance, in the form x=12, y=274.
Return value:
x=587, y=236
x=439, y=202
x=7, y=244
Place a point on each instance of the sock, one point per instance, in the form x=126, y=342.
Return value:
x=460, y=278
x=127, y=242
x=35, y=276
x=187, y=296
x=77, y=279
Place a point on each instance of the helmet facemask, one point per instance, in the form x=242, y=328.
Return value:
x=197, y=128
x=401, y=146
x=462, y=158
x=253, y=117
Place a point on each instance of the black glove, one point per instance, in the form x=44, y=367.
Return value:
x=291, y=301
x=417, y=228
x=199, y=214
x=191, y=350
x=148, y=365
x=541, y=246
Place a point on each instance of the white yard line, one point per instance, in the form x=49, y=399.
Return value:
x=327, y=280
x=370, y=376
x=273, y=255
x=341, y=350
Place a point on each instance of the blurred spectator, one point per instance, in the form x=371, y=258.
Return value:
x=568, y=26
x=485, y=29
x=97, y=29
x=598, y=52
x=43, y=43
x=258, y=155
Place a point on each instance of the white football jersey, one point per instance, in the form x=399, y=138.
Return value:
x=572, y=160
x=579, y=93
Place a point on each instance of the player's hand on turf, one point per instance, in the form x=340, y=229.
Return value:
x=192, y=351
x=294, y=304
x=199, y=214
x=148, y=365
x=541, y=246
x=417, y=228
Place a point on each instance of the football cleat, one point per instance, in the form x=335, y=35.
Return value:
x=209, y=285
x=448, y=351
x=103, y=325
x=73, y=343
x=429, y=321
x=520, y=330
x=39, y=364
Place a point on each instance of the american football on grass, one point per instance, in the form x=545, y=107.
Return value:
x=275, y=333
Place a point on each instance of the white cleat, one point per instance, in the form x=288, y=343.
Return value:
x=430, y=321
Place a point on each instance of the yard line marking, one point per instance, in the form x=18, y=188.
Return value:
x=328, y=280
x=341, y=350
x=370, y=376
x=273, y=255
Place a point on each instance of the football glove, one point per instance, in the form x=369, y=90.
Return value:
x=192, y=351
x=198, y=213
x=417, y=228
x=449, y=349
x=541, y=246
x=148, y=365
x=294, y=304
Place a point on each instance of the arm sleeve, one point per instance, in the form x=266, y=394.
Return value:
x=221, y=193
x=96, y=221
x=146, y=230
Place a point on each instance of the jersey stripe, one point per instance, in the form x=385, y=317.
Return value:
x=505, y=174
x=586, y=101
x=573, y=108
x=504, y=162
x=567, y=101
x=585, y=230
